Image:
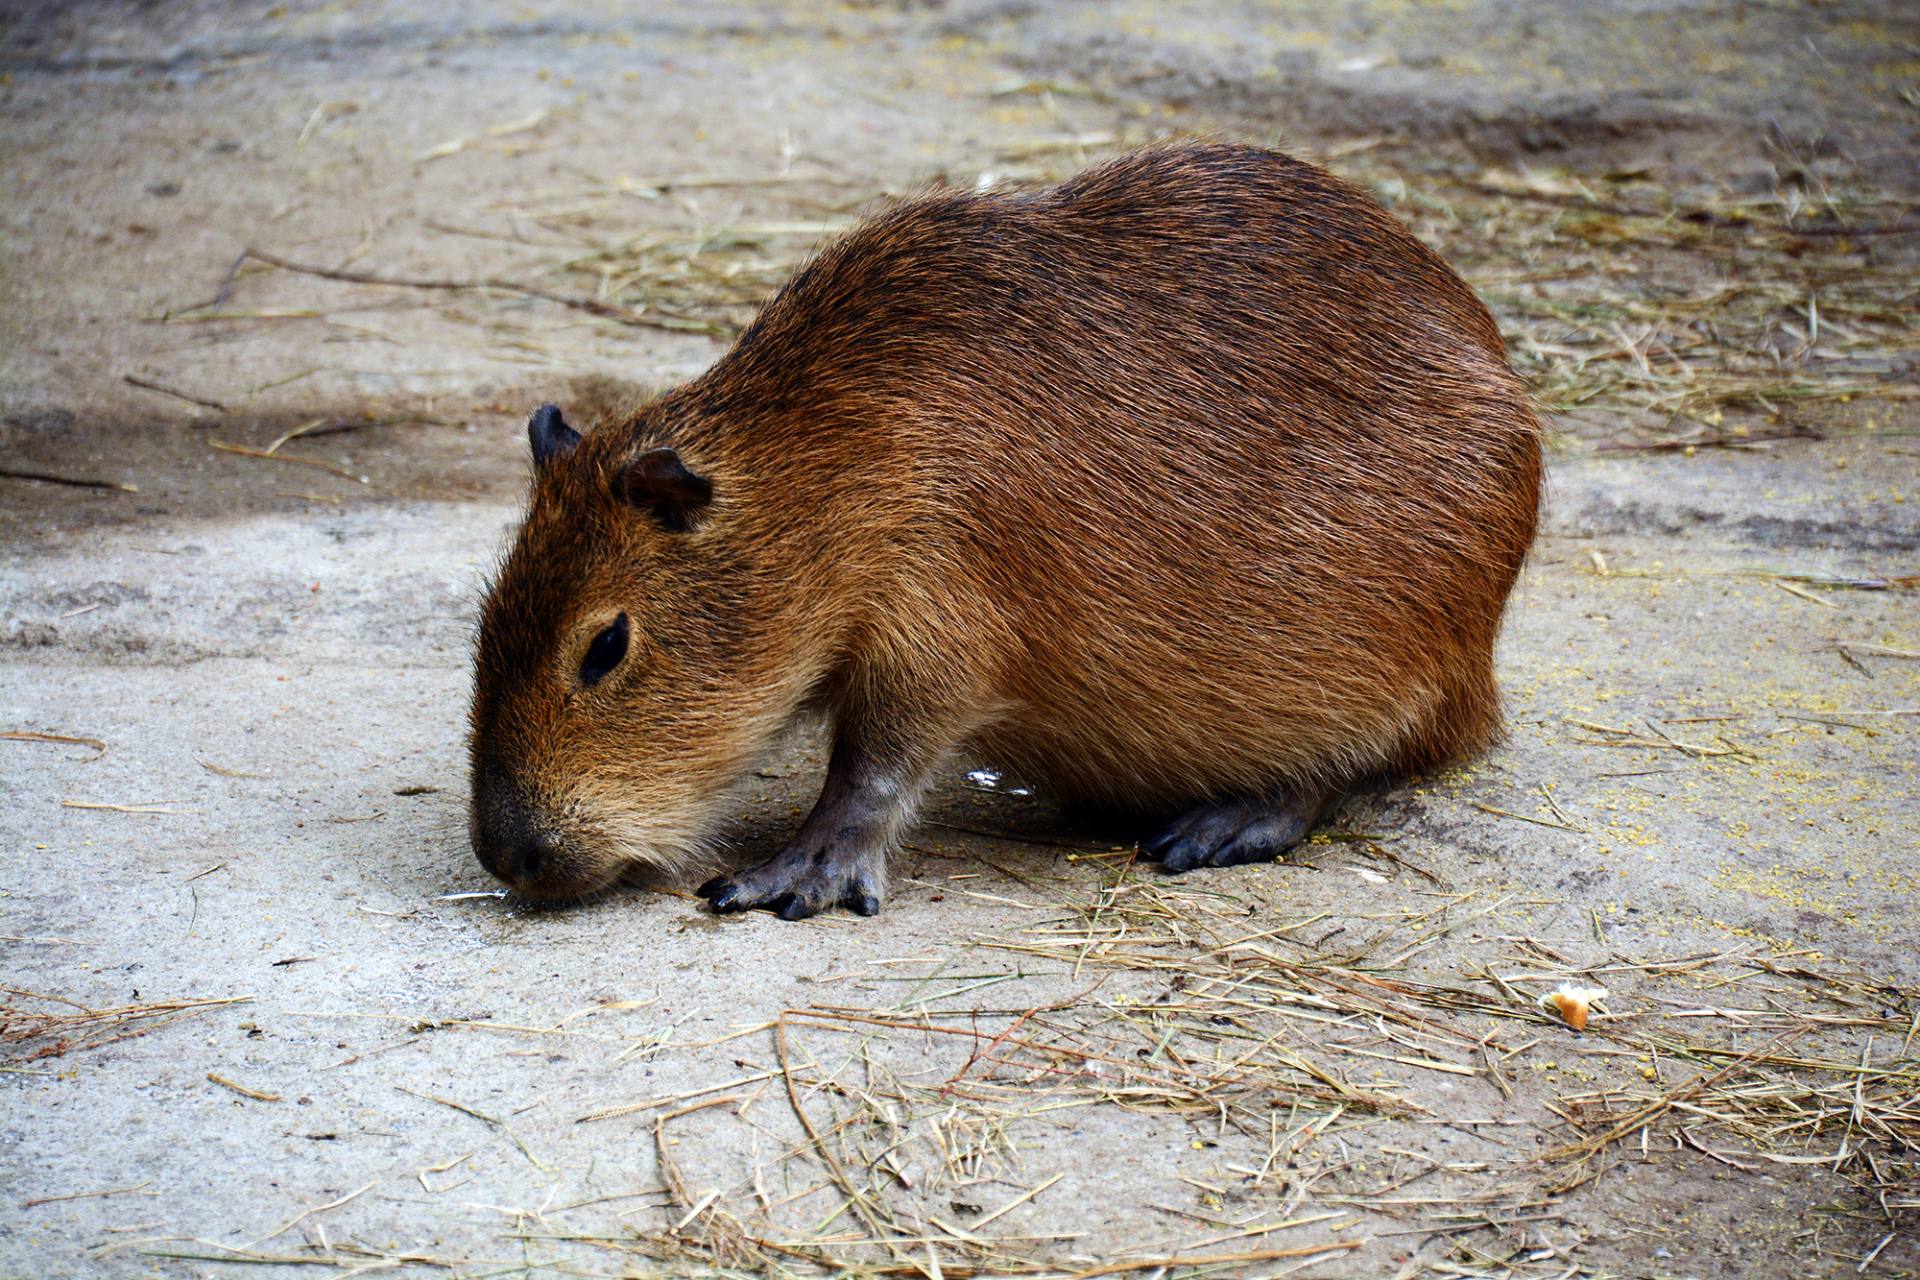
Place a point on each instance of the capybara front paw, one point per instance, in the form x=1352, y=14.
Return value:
x=794, y=888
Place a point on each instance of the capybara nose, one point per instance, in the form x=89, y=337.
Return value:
x=526, y=861
x=518, y=857
x=506, y=838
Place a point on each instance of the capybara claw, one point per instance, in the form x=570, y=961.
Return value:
x=1153, y=848
x=711, y=887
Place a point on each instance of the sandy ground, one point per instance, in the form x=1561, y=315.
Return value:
x=263, y=1010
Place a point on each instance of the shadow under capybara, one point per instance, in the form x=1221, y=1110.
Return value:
x=1193, y=484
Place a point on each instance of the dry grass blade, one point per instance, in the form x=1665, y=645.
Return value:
x=138, y=1188
x=273, y=455
x=177, y=395
x=1218, y=1259
x=304, y=1214
x=505, y=1129
x=257, y=1095
x=28, y=735
x=103, y=806
x=71, y=482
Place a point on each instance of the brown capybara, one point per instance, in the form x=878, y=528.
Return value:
x=1192, y=485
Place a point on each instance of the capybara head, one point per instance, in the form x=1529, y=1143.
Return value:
x=606, y=718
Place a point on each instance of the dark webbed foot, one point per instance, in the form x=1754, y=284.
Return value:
x=1227, y=833
x=800, y=881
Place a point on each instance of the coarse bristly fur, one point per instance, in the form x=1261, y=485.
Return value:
x=1193, y=477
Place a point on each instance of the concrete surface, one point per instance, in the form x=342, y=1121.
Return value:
x=273, y=656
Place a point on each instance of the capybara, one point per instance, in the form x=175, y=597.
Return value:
x=1193, y=486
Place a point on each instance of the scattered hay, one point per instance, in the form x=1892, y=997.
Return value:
x=30, y=1030
x=1618, y=294
x=1720, y=321
x=1295, y=1041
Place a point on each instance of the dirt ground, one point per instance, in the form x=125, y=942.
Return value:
x=263, y=1011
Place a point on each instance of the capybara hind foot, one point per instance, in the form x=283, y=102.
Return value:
x=1229, y=832
x=799, y=882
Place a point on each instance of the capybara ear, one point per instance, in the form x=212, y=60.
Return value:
x=657, y=481
x=551, y=436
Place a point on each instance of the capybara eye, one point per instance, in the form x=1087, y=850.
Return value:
x=605, y=653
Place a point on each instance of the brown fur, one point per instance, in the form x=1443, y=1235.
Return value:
x=1192, y=477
